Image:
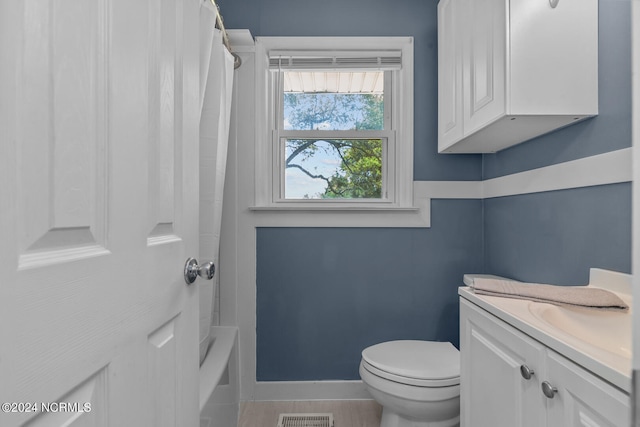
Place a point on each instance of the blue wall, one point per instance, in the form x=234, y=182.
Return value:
x=416, y=18
x=325, y=294
x=610, y=130
x=556, y=237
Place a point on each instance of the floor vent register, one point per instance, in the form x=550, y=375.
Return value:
x=305, y=420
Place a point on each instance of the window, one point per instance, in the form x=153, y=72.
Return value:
x=332, y=135
x=338, y=124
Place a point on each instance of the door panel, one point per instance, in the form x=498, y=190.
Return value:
x=583, y=400
x=162, y=103
x=92, y=412
x=62, y=133
x=492, y=354
x=484, y=64
x=162, y=357
x=451, y=29
x=98, y=211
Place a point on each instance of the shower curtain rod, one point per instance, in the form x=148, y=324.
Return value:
x=225, y=37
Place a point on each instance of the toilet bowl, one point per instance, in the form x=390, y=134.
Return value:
x=416, y=382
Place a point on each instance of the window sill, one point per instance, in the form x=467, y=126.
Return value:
x=299, y=208
x=340, y=216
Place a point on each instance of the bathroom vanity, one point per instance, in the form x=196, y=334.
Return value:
x=526, y=363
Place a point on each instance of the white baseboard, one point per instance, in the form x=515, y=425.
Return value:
x=310, y=390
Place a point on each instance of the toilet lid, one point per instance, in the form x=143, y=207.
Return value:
x=426, y=361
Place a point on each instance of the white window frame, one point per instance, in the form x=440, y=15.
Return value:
x=398, y=160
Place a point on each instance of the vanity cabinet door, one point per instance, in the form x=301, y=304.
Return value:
x=494, y=391
x=582, y=399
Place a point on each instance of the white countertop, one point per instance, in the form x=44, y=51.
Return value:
x=611, y=366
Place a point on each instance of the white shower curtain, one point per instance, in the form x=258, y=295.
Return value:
x=216, y=86
x=207, y=29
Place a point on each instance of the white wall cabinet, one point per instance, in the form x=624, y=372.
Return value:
x=496, y=358
x=510, y=70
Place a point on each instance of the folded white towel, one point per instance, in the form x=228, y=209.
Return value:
x=583, y=296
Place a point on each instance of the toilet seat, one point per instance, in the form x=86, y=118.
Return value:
x=418, y=363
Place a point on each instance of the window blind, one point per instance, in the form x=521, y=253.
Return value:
x=338, y=60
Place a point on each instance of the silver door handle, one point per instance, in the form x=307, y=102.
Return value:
x=192, y=270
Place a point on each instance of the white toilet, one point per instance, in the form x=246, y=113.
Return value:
x=416, y=382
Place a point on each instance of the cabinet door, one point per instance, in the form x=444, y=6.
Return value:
x=484, y=63
x=552, y=70
x=493, y=391
x=450, y=35
x=583, y=399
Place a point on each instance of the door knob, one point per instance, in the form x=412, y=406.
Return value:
x=192, y=270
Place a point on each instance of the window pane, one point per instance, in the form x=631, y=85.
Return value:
x=333, y=168
x=333, y=100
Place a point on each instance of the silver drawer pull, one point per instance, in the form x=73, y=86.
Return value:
x=548, y=390
x=526, y=372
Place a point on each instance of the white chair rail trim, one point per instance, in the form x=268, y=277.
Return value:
x=602, y=169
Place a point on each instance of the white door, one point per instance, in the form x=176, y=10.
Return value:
x=99, y=109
